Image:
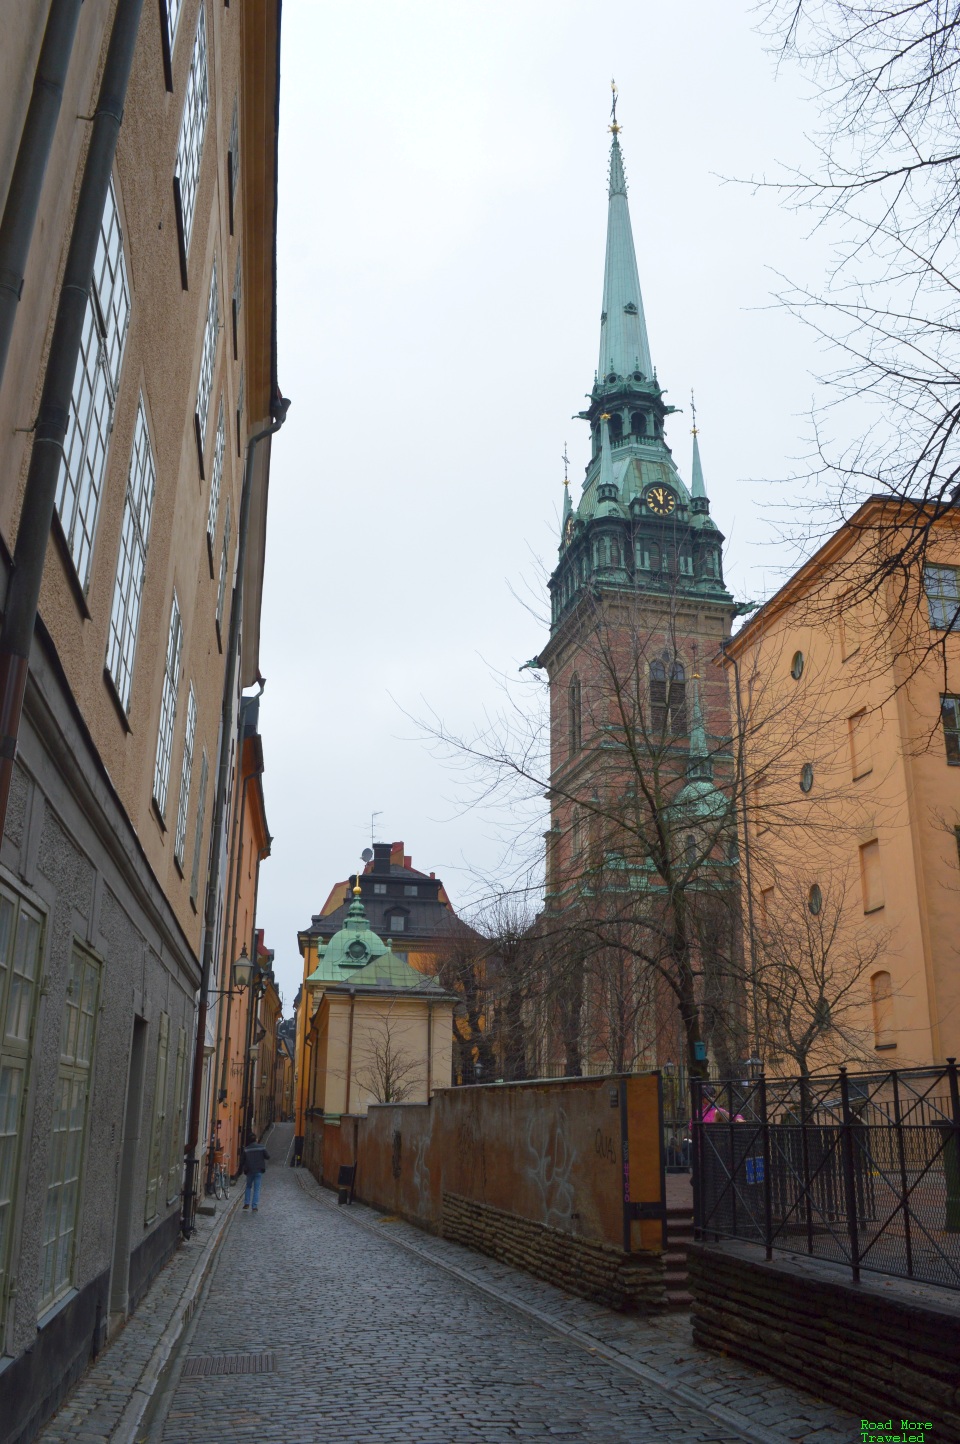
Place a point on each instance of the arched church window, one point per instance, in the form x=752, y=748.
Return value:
x=678, y=699
x=638, y=423
x=658, y=698
x=574, y=714
x=616, y=428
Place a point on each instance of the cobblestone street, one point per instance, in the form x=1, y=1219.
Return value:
x=377, y=1341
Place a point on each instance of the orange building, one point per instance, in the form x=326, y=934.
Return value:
x=249, y=845
x=850, y=695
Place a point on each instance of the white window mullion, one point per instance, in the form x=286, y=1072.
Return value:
x=214, y=508
x=193, y=125
x=168, y=708
x=131, y=563
x=208, y=357
x=185, y=776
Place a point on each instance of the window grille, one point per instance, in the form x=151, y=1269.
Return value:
x=237, y=303
x=62, y=1202
x=186, y=772
x=216, y=479
x=207, y=359
x=942, y=586
x=950, y=717
x=233, y=161
x=224, y=567
x=190, y=140
x=155, y=1165
x=168, y=708
x=94, y=395
x=21, y=935
x=132, y=562
x=173, y=8
x=198, y=834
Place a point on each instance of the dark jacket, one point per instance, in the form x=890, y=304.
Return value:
x=253, y=1159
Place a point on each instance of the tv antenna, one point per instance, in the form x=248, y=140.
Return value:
x=373, y=828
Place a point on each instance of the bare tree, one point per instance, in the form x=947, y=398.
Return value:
x=885, y=189
x=389, y=1069
x=812, y=973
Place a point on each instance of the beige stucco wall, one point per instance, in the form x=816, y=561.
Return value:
x=909, y=799
x=399, y=1026
x=161, y=362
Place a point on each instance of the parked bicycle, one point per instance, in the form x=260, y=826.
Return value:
x=221, y=1179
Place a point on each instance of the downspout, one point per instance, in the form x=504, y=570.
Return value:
x=281, y=406
x=26, y=182
x=36, y=517
x=429, y=1048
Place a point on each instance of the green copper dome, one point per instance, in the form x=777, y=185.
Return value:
x=352, y=948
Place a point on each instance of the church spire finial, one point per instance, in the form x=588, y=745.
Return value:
x=698, y=492
x=614, y=127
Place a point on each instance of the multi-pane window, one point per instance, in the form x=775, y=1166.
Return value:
x=198, y=834
x=20, y=939
x=186, y=773
x=94, y=394
x=950, y=717
x=193, y=123
x=62, y=1203
x=214, y=507
x=668, y=698
x=168, y=708
x=224, y=570
x=131, y=564
x=237, y=303
x=233, y=161
x=239, y=410
x=176, y=1131
x=207, y=358
x=942, y=586
x=155, y=1167
x=410, y=890
x=173, y=8
x=380, y=888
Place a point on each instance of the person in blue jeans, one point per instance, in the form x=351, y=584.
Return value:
x=253, y=1162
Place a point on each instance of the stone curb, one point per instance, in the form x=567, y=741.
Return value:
x=142, y=1392
x=679, y=1393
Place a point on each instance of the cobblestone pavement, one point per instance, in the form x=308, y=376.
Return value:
x=384, y=1335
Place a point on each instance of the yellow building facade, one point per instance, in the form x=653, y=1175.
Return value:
x=848, y=688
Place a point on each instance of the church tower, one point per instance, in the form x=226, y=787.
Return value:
x=639, y=610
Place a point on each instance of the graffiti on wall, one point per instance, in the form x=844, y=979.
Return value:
x=421, y=1174
x=550, y=1159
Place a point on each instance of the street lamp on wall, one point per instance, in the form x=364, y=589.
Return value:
x=243, y=970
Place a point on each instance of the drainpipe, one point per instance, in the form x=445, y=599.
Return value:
x=429, y=1049
x=281, y=407
x=36, y=517
x=26, y=182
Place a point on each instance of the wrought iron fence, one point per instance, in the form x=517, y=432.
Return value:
x=861, y=1169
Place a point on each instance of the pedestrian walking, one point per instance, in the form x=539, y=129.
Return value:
x=253, y=1162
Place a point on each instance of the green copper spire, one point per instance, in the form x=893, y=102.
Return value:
x=624, y=347
x=700, y=766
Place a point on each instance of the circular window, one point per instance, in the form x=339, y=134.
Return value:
x=815, y=899
x=806, y=777
x=796, y=666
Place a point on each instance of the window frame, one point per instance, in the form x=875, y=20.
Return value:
x=124, y=626
x=208, y=366
x=168, y=709
x=70, y=1071
x=190, y=137
x=216, y=480
x=93, y=396
x=186, y=775
x=938, y=600
x=951, y=734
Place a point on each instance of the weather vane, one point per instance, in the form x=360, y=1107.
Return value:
x=566, y=465
x=614, y=126
x=693, y=413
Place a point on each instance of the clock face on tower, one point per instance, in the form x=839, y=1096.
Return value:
x=661, y=500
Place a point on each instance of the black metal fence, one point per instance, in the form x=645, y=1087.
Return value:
x=861, y=1169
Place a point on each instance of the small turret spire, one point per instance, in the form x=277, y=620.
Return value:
x=698, y=492
x=606, y=457
x=700, y=766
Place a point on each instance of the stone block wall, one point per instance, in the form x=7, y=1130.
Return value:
x=883, y=1348
x=632, y=1283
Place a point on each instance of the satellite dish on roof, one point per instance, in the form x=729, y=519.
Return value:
x=367, y=854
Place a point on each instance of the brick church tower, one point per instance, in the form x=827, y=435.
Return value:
x=639, y=711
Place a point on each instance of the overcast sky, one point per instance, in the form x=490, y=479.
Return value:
x=442, y=218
